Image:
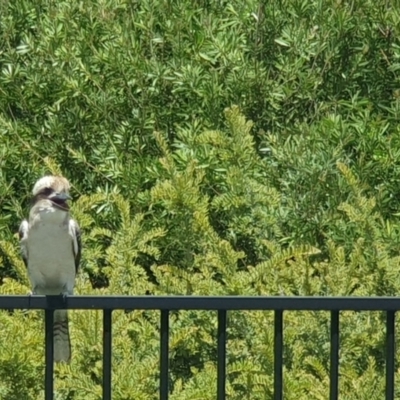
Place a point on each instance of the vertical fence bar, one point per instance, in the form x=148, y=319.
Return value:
x=278, y=355
x=164, y=355
x=221, y=375
x=107, y=343
x=49, y=351
x=390, y=354
x=334, y=368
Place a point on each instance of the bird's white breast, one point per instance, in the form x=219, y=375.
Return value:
x=51, y=263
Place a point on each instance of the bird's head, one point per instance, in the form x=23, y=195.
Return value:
x=53, y=188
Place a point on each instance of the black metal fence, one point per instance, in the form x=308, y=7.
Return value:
x=222, y=305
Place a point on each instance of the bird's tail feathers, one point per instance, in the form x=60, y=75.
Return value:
x=62, y=343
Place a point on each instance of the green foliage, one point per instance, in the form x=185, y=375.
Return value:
x=147, y=107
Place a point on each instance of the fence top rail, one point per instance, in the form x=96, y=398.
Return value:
x=201, y=303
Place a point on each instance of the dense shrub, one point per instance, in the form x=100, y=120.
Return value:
x=237, y=148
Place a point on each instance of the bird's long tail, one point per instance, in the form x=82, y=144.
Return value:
x=62, y=343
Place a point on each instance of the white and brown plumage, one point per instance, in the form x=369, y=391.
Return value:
x=51, y=249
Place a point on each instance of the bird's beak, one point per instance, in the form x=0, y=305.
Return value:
x=60, y=196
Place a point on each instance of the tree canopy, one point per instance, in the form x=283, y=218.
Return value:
x=215, y=148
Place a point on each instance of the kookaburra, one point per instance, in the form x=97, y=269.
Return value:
x=51, y=249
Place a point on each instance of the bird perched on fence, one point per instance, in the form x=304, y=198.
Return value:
x=51, y=249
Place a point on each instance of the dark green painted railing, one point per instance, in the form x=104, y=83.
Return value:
x=220, y=304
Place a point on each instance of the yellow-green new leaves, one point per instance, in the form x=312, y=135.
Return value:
x=302, y=200
x=12, y=252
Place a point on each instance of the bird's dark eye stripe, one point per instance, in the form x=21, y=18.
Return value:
x=46, y=191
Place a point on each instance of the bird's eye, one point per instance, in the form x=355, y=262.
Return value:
x=47, y=191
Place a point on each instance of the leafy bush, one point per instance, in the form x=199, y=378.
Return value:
x=215, y=148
